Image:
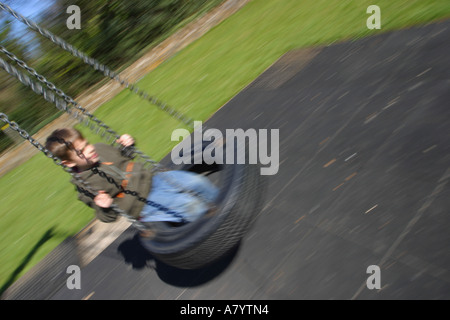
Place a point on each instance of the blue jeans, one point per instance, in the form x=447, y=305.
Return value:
x=184, y=207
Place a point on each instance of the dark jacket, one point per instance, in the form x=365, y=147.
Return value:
x=131, y=175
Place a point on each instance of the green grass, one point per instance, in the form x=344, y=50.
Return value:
x=36, y=197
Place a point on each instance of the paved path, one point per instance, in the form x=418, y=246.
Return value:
x=364, y=180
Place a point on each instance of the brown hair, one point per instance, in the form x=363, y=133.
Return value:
x=59, y=143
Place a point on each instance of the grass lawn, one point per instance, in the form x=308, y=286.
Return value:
x=39, y=207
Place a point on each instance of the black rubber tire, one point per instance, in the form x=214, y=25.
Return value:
x=199, y=243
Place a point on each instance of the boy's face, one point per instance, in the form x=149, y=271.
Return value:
x=84, y=155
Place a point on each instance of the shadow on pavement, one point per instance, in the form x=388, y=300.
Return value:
x=139, y=258
x=45, y=237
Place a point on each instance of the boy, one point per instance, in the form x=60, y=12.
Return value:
x=76, y=152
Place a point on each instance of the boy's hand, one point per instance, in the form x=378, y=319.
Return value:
x=103, y=200
x=126, y=140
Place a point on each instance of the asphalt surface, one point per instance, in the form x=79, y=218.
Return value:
x=364, y=179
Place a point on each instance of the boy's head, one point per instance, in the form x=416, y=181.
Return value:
x=72, y=148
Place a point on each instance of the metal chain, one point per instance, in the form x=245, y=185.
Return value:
x=100, y=67
x=86, y=190
x=67, y=100
x=111, y=180
x=97, y=66
x=63, y=105
x=137, y=195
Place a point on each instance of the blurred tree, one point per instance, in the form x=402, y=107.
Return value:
x=114, y=32
x=18, y=102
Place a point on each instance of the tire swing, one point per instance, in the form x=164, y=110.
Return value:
x=203, y=241
x=187, y=246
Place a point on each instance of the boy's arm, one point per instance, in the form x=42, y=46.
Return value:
x=103, y=214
